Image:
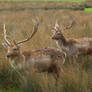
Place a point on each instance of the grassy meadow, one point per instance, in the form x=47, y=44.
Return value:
x=75, y=78
x=88, y=9
x=49, y=0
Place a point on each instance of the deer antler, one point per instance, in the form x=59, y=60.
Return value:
x=73, y=22
x=5, y=36
x=56, y=24
x=56, y=27
x=35, y=30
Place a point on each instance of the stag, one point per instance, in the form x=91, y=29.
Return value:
x=42, y=60
x=73, y=47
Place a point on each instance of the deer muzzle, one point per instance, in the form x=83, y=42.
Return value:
x=8, y=55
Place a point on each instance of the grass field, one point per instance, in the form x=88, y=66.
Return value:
x=19, y=25
x=10, y=90
x=88, y=9
x=48, y=0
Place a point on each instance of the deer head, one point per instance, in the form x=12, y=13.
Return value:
x=14, y=48
x=58, y=33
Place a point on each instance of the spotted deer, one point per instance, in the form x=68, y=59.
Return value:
x=73, y=47
x=42, y=60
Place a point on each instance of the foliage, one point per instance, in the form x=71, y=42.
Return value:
x=88, y=9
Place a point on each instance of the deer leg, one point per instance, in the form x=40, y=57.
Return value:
x=74, y=59
x=70, y=59
x=57, y=73
x=56, y=76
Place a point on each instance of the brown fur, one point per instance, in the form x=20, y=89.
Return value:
x=85, y=51
x=47, y=51
x=73, y=41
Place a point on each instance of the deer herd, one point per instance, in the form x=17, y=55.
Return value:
x=48, y=60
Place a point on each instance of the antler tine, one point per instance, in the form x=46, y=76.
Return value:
x=73, y=22
x=5, y=36
x=35, y=30
x=56, y=24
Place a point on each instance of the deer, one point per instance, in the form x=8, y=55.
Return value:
x=42, y=60
x=74, y=47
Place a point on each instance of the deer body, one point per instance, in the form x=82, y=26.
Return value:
x=69, y=48
x=44, y=59
x=73, y=47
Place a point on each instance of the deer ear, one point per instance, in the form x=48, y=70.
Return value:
x=5, y=45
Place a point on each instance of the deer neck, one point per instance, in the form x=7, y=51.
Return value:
x=62, y=41
x=17, y=62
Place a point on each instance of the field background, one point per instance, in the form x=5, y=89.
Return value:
x=18, y=19
x=49, y=0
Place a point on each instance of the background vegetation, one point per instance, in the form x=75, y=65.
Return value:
x=47, y=0
x=75, y=78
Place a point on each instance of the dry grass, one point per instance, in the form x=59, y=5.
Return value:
x=73, y=79
x=19, y=25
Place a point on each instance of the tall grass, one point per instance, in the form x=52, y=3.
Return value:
x=48, y=0
x=75, y=78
